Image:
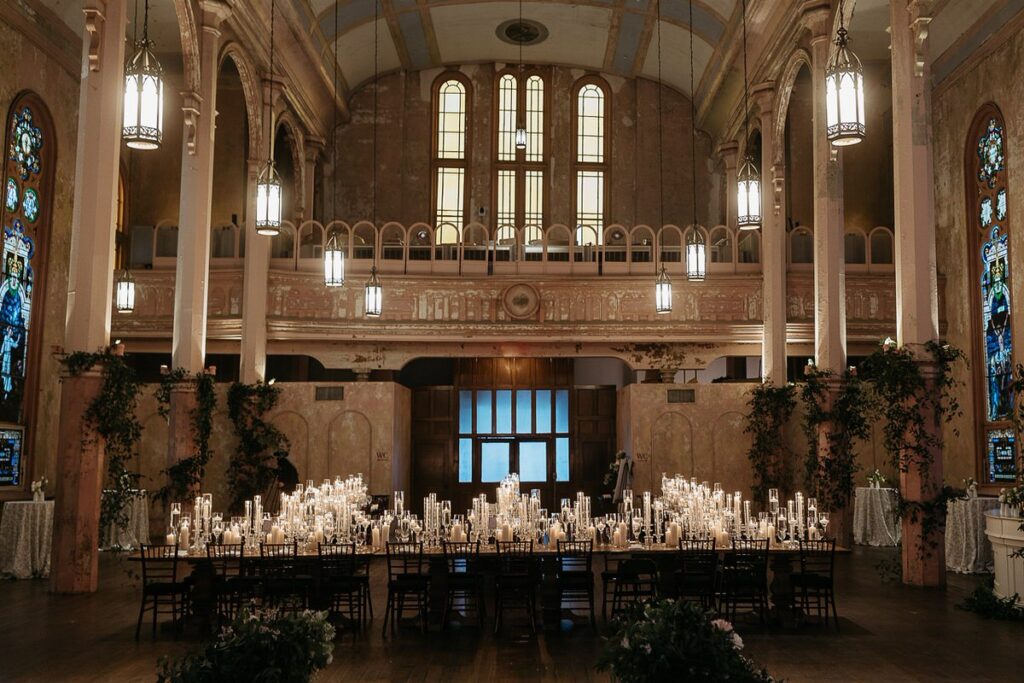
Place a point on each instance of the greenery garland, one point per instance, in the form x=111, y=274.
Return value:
x=111, y=415
x=252, y=467
x=185, y=476
x=831, y=478
x=770, y=409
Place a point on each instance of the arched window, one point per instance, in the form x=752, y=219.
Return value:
x=989, y=221
x=590, y=118
x=25, y=216
x=519, y=173
x=451, y=149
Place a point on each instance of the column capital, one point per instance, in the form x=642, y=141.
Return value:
x=816, y=17
x=214, y=13
x=191, y=108
x=729, y=153
x=95, y=19
x=919, y=19
x=763, y=95
x=315, y=146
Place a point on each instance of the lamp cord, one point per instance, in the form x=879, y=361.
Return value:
x=746, y=104
x=145, y=25
x=376, y=20
x=334, y=130
x=693, y=127
x=270, y=95
x=661, y=154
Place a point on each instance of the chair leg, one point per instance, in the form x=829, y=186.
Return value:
x=142, y=610
x=387, y=612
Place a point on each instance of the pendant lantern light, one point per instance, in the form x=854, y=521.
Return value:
x=268, y=184
x=696, y=250
x=844, y=92
x=521, y=129
x=374, y=297
x=663, y=292
x=124, y=293
x=374, y=294
x=143, y=120
x=334, y=255
x=748, y=181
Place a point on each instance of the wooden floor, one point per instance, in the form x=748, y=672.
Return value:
x=888, y=633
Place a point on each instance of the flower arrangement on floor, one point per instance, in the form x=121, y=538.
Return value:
x=259, y=645
x=672, y=640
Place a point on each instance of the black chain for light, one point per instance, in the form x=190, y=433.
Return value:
x=746, y=104
x=376, y=20
x=661, y=142
x=693, y=126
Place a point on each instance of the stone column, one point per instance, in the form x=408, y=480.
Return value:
x=80, y=461
x=729, y=152
x=188, y=345
x=917, y=312
x=255, y=272
x=829, y=259
x=773, y=245
x=314, y=148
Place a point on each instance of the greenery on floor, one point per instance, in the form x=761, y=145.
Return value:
x=185, y=476
x=111, y=416
x=262, y=646
x=770, y=410
x=253, y=465
x=671, y=640
x=986, y=604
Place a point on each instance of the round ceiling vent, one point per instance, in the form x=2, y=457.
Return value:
x=522, y=32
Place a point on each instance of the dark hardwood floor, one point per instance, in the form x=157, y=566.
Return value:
x=888, y=633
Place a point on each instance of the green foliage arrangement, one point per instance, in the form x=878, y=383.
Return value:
x=831, y=478
x=263, y=646
x=111, y=415
x=185, y=476
x=673, y=641
x=252, y=467
x=986, y=604
x=770, y=409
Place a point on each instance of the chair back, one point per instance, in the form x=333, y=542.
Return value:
x=575, y=557
x=698, y=557
x=461, y=557
x=228, y=559
x=405, y=559
x=515, y=558
x=818, y=557
x=337, y=560
x=159, y=563
x=638, y=569
x=278, y=559
x=749, y=556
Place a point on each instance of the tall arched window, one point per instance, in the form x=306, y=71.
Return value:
x=989, y=221
x=519, y=173
x=25, y=216
x=590, y=119
x=451, y=150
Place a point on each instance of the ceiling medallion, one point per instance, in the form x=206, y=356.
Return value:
x=522, y=32
x=520, y=301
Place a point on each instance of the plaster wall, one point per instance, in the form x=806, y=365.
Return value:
x=986, y=77
x=26, y=65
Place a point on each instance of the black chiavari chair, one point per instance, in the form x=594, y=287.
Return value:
x=162, y=592
x=408, y=584
x=574, y=576
x=464, y=582
x=515, y=585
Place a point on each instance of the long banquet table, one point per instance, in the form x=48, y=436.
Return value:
x=781, y=562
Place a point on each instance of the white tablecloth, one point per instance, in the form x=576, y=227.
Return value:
x=967, y=549
x=26, y=537
x=137, y=530
x=874, y=517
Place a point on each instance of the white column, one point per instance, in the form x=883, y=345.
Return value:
x=829, y=259
x=729, y=152
x=100, y=102
x=917, y=299
x=188, y=347
x=254, y=285
x=773, y=246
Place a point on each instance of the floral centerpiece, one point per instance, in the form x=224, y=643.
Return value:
x=259, y=645
x=39, y=489
x=971, y=487
x=876, y=479
x=1011, y=500
x=672, y=640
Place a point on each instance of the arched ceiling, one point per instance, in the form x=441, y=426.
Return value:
x=613, y=36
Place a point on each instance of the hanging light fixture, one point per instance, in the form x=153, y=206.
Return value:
x=334, y=255
x=844, y=92
x=663, y=292
x=268, y=184
x=662, y=285
x=124, y=293
x=696, y=250
x=143, y=95
x=374, y=295
x=521, y=128
x=748, y=181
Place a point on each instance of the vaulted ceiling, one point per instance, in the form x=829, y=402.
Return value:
x=614, y=36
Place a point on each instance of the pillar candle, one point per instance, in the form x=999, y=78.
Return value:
x=170, y=539
x=184, y=535
x=375, y=537
x=616, y=538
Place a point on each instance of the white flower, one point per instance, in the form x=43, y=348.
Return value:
x=722, y=625
x=625, y=642
x=737, y=642
x=647, y=649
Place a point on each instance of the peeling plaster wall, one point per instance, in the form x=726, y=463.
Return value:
x=404, y=133
x=27, y=67
x=989, y=79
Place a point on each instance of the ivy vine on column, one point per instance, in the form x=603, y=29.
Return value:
x=253, y=465
x=770, y=409
x=185, y=476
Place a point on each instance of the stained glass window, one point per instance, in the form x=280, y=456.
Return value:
x=519, y=173
x=28, y=174
x=991, y=246
x=451, y=141
x=591, y=112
